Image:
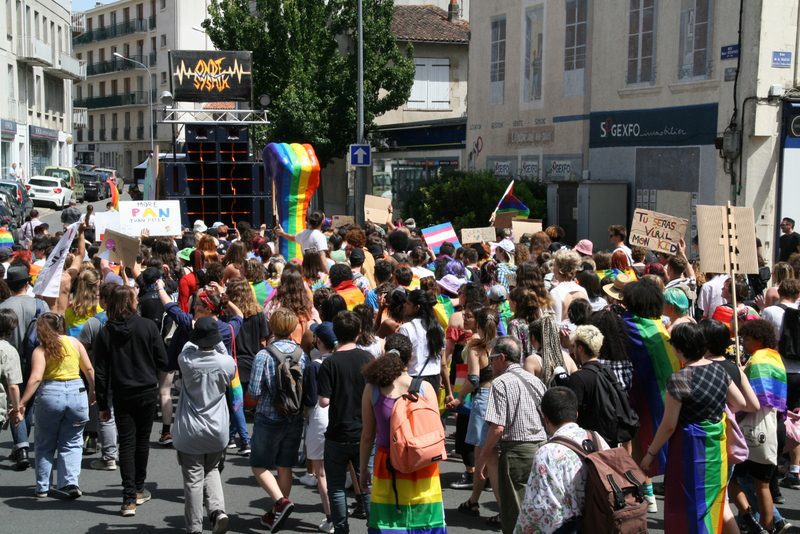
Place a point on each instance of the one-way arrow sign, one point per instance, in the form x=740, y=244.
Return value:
x=360, y=156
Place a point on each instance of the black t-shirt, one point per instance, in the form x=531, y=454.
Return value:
x=732, y=369
x=788, y=245
x=584, y=383
x=248, y=342
x=341, y=381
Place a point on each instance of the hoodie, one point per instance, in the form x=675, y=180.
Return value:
x=127, y=357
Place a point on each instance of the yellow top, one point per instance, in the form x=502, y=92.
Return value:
x=68, y=368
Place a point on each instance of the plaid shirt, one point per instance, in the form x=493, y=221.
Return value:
x=262, y=378
x=512, y=407
x=623, y=371
x=503, y=272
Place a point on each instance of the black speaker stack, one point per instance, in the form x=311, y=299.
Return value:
x=217, y=180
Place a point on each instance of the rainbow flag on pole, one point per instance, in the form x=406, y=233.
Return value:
x=294, y=169
x=511, y=204
x=653, y=361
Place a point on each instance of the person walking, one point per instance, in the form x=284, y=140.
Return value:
x=128, y=354
x=514, y=423
x=62, y=404
x=200, y=431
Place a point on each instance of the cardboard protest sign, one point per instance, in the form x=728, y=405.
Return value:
x=520, y=227
x=478, y=235
x=657, y=231
x=712, y=227
x=376, y=209
x=48, y=282
x=503, y=220
x=105, y=220
x=118, y=247
x=159, y=217
x=441, y=233
x=337, y=221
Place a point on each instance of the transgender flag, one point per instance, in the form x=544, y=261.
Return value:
x=441, y=233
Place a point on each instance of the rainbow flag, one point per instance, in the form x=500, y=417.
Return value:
x=262, y=291
x=696, y=478
x=350, y=293
x=767, y=375
x=653, y=361
x=511, y=204
x=443, y=310
x=417, y=508
x=6, y=238
x=112, y=184
x=235, y=392
x=294, y=170
x=614, y=272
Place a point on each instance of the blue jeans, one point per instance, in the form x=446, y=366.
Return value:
x=337, y=458
x=19, y=433
x=238, y=423
x=62, y=411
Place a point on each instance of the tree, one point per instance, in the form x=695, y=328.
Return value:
x=298, y=61
x=467, y=199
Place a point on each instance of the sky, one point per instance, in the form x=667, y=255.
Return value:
x=83, y=5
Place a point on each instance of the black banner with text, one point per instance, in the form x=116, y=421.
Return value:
x=211, y=76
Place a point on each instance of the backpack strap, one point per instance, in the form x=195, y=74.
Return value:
x=573, y=445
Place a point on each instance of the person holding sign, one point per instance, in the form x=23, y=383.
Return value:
x=311, y=237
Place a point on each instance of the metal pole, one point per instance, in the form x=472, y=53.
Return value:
x=149, y=95
x=360, y=185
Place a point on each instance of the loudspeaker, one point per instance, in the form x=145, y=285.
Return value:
x=253, y=209
x=248, y=178
x=189, y=178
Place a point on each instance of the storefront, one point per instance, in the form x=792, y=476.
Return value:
x=43, y=145
x=8, y=129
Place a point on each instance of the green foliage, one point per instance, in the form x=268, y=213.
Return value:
x=467, y=199
x=298, y=62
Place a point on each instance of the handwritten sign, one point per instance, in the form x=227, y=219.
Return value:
x=337, y=221
x=520, y=227
x=118, y=247
x=478, y=235
x=503, y=220
x=717, y=254
x=376, y=209
x=104, y=220
x=657, y=231
x=159, y=217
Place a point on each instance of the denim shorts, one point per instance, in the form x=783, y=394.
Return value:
x=477, y=429
x=275, y=443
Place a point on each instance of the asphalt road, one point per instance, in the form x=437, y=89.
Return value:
x=53, y=218
x=98, y=509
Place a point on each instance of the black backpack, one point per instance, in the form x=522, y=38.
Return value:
x=617, y=422
x=288, y=395
x=789, y=344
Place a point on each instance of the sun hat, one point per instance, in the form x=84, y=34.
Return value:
x=18, y=273
x=200, y=226
x=615, y=290
x=584, y=247
x=186, y=254
x=451, y=283
x=205, y=332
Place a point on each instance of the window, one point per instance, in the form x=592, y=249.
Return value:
x=641, y=42
x=9, y=19
x=101, y=21
x=431, y=89
x=694, y=60
x=114, y=88
x=90, y=91
x=10, y=78
x=163, y=4
x=575, y=35
x=534, y=53
x=163, y=40
x=102, y=89
x=497, y=64
x=164, y=78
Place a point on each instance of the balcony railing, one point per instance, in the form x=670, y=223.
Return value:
x=67, y=67
x=90, y=137
x=117, y=30
x=116, y=64
x=126, y=133
x=80, y=117
x=114, y=133
x=34, y=52
x=79, y=135
x=103, y=134
x=78, y=23
x=136, y=98
x=140, y=132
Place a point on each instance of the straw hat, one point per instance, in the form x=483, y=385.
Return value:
x=615, y=290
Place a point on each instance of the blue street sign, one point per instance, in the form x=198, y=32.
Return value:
x=360, y=156
x=729, y=52
x=781, y=59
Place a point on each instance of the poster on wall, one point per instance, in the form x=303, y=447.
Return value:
x=211, y=75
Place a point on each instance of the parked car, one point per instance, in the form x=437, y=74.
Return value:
x=106, y=173
x=71, y=176
x=7, y=199
x=95, y=186
x=7, y=216
x=84, y=167
x=49, y=190
x=20, y=194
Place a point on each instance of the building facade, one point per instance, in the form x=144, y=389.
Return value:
x=119, y=101
x=36, y=96
x=640, y=92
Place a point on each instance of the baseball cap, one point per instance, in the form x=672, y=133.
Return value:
x=324, y=331
x=497, y=293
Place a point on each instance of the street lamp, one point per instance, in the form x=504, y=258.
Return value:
x=149, y=95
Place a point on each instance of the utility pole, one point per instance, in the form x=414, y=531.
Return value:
x=360, y=183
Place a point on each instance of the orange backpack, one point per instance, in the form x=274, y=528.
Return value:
x=416, y=434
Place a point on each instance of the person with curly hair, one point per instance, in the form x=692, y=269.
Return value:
x=526, y=305
x=566, y=289
x=255, y=272
x=357, y=238
x=62, y=404
x=293, y=294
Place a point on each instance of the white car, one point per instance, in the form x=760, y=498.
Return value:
x=49, y=190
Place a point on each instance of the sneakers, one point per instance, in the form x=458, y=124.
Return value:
x=326, y=527
x=748, y=524
x=791, y=481
x=463, y=483
x=781, y=527
x=275, y=518
x=309, y=479
x=128, y=509
x=244, y=450
x=165, y=440
x=219, y=522
x=41, y=494
x=652, y=505
x=20, y=459
x=358, y=511
x=142, y=497
x=90, y=445
x=104, y=465
x=232, y=444
x=70, y=491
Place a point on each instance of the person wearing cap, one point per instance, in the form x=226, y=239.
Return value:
x=680, y=272
x=199, y=228
x=200, y=432
x=504, y=255
x=676, y=307
x=71, y=214
x=27, y=309
x=311, y=237
x=498, y=300
x=317, y=419
x=585, y=248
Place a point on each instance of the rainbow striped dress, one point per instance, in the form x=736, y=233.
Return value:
x=417, y=508
x=653, y=361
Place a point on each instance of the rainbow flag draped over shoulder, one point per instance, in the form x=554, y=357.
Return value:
x=443, y=309
x=6, y=238
x=262, y=291
x=350, y=293
x=767, y=375
x=511, y=204
x=653, y=361
x=614, y=272
x=294, y=169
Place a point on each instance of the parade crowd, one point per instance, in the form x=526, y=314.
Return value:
x=551, y=362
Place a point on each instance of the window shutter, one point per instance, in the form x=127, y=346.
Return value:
x=419, y=91
x=439, y=86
